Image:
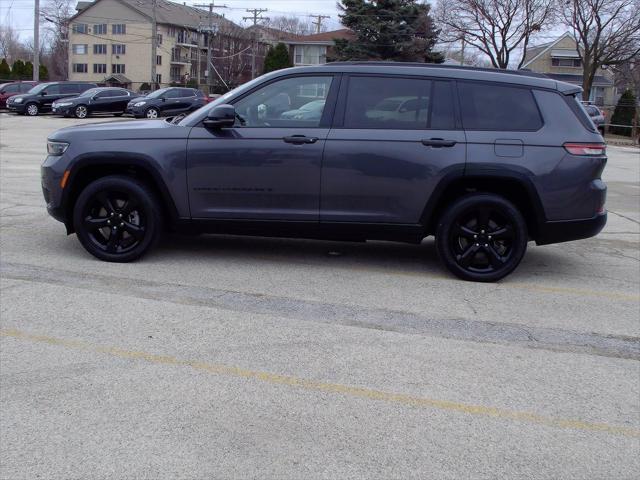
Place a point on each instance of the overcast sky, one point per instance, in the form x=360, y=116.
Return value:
x=19, y=13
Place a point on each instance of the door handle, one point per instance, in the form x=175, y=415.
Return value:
x=438, y=142
x=300, y=139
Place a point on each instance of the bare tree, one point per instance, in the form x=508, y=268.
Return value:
x=54, y=16
x=497, y=28
x=11, y=47
x=607, y=32
x=293, y=25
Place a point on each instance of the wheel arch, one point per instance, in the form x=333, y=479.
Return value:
x=514, y=186
x=92, y=167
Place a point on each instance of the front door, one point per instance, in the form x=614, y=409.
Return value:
x=268, y=166
x=393, y=140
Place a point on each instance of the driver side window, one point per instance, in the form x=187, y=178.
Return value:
x=292, y=102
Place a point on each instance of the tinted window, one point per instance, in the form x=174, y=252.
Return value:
x=52, y=89
x=173, y=93
x=402, y=103
x=498, y=107
x=187, y=92
x=11, y=88
x=81, y=87
x=70, y=88
x=281, y=104
x=25, y=87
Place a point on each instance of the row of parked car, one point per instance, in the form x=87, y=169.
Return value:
x=81, y=99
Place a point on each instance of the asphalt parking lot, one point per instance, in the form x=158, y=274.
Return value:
x=228, y=357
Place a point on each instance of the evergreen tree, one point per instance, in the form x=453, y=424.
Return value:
x=43, y=73
x=623, y=114
x=27, y=71
x=398, y=30
x=17, y=69
x=5, y=71
x=277, y=58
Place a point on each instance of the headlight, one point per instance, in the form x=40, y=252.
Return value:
x=139, y=104
x=57, y=148
x=18, y=100
x=63, y=104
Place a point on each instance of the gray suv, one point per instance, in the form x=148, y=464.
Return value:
x=485, y=160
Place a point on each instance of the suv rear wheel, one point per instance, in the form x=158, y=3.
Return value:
x=117, y=218
x=481, y=237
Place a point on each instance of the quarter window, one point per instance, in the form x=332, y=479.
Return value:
x=498, y=107
x=286, y=103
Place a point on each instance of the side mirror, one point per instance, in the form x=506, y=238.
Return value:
x=43, y=93
x=222, y=116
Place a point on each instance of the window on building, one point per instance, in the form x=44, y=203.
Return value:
x=310, y=54
x=566, y=62
x=158, y=59
x=100, y=49
x=159, y=39
x=119, y=28
x=79, y=68
x=171, y=31
x=118, y=49
x=100, y=29
x=79, y=28
x=158, y=78
x=99, y=68
x=79, y=49
x=488, y=106
x=117, y=68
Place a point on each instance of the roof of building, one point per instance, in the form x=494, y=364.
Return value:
x=536, y=51
x=324, y=37
x=170, y=13
x=117, y=77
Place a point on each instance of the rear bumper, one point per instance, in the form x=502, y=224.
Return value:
x=568, y=230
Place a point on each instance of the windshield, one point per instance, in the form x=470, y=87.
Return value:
x=39, y=88
x=90, y=92
x=157, y=93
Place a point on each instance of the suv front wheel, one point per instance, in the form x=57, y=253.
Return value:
x=117, y=218
x=481, y=237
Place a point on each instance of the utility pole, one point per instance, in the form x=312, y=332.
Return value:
x=36, y=42
x=256, y=12
x=318, y=22
x=154, y=44
x=210, y=31
x=464, y=42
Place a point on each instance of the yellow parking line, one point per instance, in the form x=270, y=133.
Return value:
x=314, y=385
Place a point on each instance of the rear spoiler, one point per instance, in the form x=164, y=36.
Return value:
x=568, y=88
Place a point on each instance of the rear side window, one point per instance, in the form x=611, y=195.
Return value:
x=398, y=103
x=25, y=87
x=11, y=88
x=70, y=88
x=52, y=89
x=187, y=92
x=498, y=107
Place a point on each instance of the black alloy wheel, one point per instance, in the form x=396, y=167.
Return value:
x=482, y=237
x=81, y=111
x=117, y=218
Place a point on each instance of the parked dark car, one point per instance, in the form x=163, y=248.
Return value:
x=112, y=100
x=13, y=88
x=485, y=160
x=597, y=116
x=167, y=101
x=40, y=98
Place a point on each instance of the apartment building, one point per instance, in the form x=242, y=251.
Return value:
x=110, y=43
x=560, y=60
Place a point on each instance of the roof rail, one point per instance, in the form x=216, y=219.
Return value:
x=523, y=72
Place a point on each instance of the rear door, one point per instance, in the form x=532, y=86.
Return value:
x=51, y=94
x=394, y=138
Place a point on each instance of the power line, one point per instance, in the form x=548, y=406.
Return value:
x=318, y=22
x=257, y=15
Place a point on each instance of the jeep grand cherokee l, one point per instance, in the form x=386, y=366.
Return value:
x=485, y=160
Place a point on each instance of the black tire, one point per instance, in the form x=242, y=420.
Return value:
x=481, y=237
x=31, y=109
x=81, y=111
x=152, y=113
x=117, y=218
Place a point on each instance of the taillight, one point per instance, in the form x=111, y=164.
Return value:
x=590, y=149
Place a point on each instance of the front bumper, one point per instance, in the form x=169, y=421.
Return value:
x=50, y=176
x=568, y=230
x=136, y=111
x=66, y=110
x=16, y=107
